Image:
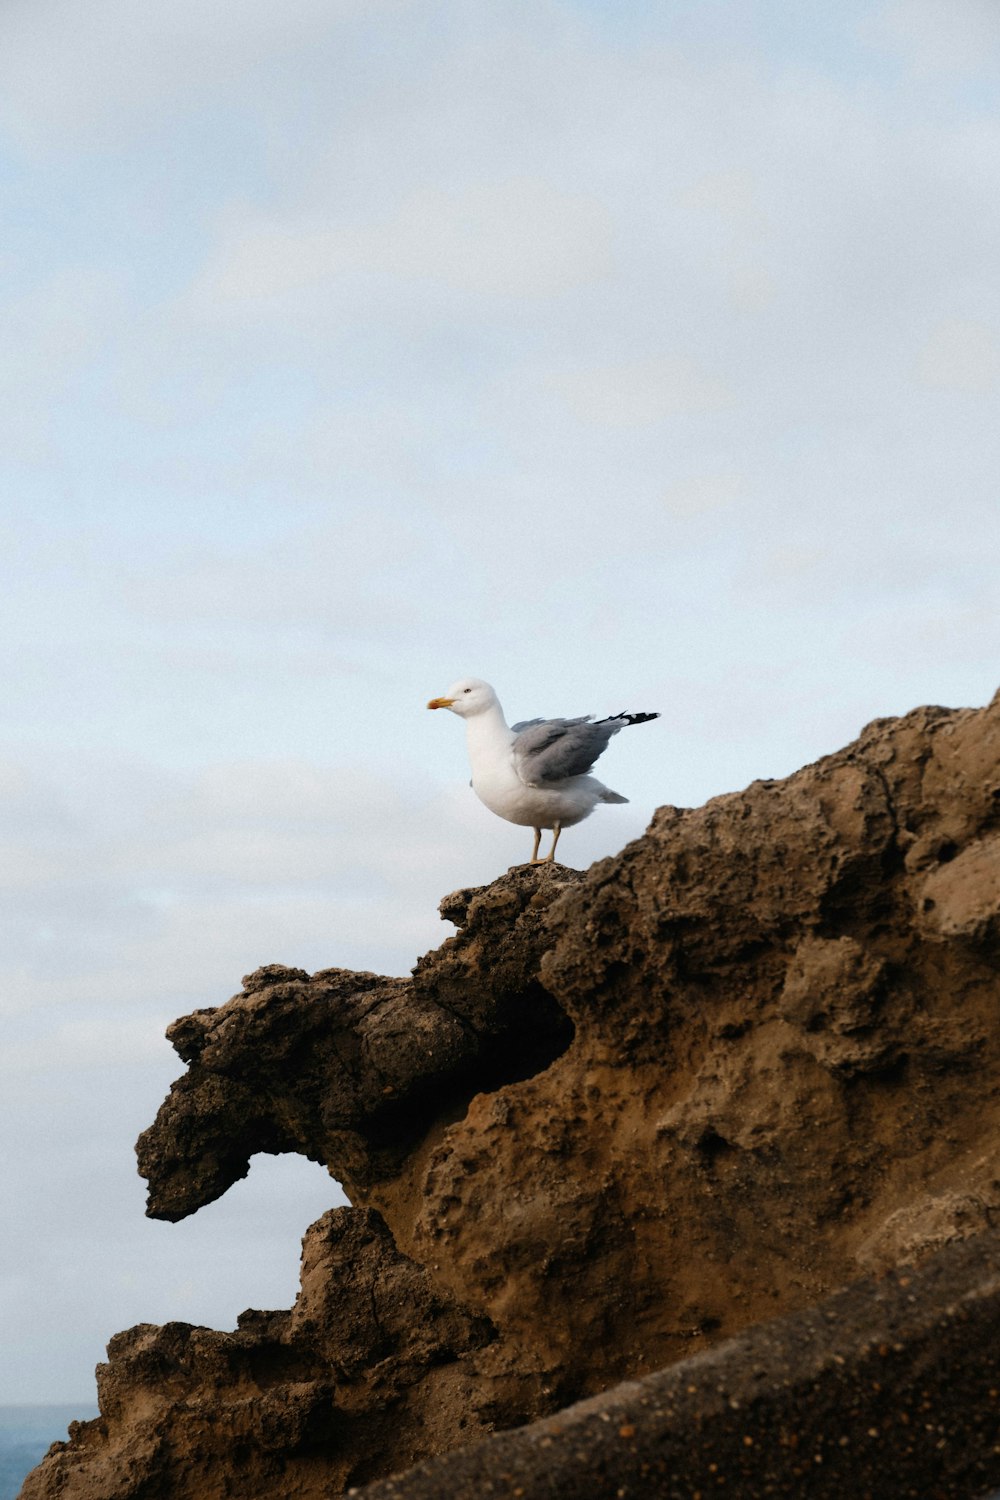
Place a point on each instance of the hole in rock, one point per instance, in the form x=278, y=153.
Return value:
x=712, y=1145
x=893, y=1072
x=538, y=1032
x=239, y=1251
x=535, y=1032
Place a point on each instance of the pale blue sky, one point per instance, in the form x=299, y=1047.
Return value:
x=634, y=356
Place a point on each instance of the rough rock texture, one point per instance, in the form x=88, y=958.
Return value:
x=273, y=1407
x=619, y=1117
x=884, y=1391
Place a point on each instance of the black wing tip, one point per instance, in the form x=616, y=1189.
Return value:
x=623, y=719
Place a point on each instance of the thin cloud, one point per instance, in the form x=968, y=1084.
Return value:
x=520, y=238
x=68, y=71
x=934, y=37
x=641, y=393
x=960, y=355
x=703, y=494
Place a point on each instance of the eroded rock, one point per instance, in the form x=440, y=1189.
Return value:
x=298, y=1403
x=620, y=1115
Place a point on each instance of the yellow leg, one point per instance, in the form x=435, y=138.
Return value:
x=534, y=860
x=556, y=831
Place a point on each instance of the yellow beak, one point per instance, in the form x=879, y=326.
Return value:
x=440, y=703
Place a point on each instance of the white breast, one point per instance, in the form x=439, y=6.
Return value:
x=496, y=783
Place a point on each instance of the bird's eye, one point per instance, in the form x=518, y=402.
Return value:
x=466, y=690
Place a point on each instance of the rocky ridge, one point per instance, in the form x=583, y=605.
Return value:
x=619, y=1117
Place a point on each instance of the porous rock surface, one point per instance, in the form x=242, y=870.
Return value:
x=619, y=1117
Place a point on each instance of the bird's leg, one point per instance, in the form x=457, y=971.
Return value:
x=556, y=831
x=534, y=860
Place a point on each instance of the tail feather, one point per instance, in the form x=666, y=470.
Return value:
x=609, y=796
x=623, y=719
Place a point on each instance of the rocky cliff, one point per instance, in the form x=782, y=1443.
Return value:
x=619, y=1117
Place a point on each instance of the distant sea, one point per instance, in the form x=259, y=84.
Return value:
x=25, y=1434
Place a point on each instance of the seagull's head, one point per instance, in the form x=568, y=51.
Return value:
x=467, y=697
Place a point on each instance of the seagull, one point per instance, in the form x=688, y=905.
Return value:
x=534, y=773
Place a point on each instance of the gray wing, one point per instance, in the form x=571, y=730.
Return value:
x=548, y=750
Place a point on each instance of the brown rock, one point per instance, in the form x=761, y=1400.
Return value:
x=886, y=1389
x=277, y=1406
x=618, y=1117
